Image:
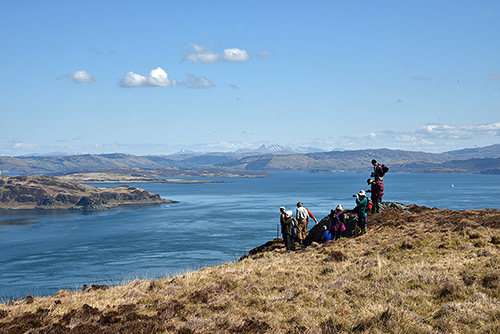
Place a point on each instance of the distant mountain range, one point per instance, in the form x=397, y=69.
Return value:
x=278, y=149
x=482, y=160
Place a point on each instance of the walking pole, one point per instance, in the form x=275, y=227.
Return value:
x=278, y=230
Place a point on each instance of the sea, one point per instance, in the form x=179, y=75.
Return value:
x=43, y=252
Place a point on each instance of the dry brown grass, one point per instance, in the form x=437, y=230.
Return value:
x=419, y=273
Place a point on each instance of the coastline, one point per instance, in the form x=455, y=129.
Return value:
x=49, y=193
x=122, y=178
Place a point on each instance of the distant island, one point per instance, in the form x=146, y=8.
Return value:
x=105, y=177
x=45, y=192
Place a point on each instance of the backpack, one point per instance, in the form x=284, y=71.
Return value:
x=384, y=169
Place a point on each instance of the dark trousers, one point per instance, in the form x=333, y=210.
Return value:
x=376, y=204
x=362, y=222
x=289, y=241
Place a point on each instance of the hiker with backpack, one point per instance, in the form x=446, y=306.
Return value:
x=362, y=208
x=287, y=225
x=377, y=191
x=337, y=219
x=379, y=170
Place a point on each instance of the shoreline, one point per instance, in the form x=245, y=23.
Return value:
x=49, y=193
x=122, y=178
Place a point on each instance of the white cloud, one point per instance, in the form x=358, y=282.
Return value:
x=134, y=80
x=156, y=78
x=81, y=76
x=495, y=76
x=199, y=82
x=20, y=145
x=459, y=132
x=428, y=138
x=201, y=55
x=205, y=55
x=235, y=55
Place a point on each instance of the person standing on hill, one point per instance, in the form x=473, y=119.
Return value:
x=377, y=173
x=287, y=230
x=302, y=215
x=362, y=207
x=337, y=218
x=282, y=218
x=377, y=191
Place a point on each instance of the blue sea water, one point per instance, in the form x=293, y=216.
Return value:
x=43, y=252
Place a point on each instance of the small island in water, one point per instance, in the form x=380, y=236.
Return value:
x=45, y=192
x=109, y=177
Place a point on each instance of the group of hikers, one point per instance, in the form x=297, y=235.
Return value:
x=337, y=217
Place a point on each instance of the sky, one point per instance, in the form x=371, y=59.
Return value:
x=156, y=77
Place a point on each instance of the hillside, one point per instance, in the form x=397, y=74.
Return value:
x=477, y=160
x=417, y=270
x=44, y=192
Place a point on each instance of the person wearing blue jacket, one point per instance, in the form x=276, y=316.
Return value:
x=326, y=235
x=362, y=208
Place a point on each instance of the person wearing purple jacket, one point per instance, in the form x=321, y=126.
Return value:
x=337, y=218
x=377, y=191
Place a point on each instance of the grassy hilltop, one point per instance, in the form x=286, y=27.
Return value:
x=428, y=271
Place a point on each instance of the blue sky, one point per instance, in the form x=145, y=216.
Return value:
x=155, y=77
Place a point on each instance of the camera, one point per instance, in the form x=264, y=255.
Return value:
x=354, y=195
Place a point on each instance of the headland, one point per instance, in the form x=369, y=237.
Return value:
x=45, y=192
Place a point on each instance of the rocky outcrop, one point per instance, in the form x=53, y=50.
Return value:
x=44, y=192
x=351, y=217
x=388, y=212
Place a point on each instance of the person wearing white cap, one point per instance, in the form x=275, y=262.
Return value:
x=282, y=218
x=362, y=208
x=287, y=230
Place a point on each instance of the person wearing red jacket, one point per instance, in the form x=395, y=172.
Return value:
x=309, y=213
x=302, y=215
x=377, y=190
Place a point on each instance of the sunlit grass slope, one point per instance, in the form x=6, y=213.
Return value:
x=430, y=271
